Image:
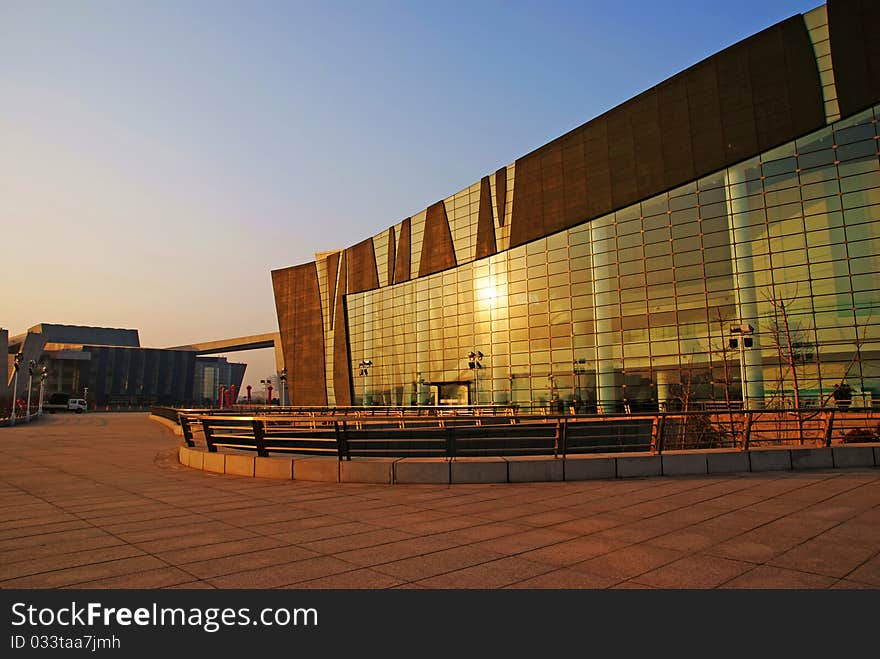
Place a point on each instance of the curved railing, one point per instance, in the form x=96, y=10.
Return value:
x=475, y=432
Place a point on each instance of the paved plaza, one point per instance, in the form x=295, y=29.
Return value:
x=100, y=501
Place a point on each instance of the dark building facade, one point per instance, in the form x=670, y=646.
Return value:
x=712, y=239
x=138, y=376
x=108, y=366
x=211, y=373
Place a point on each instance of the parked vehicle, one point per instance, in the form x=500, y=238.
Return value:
x=64, y=403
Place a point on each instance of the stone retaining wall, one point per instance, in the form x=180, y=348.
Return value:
x=440, y=471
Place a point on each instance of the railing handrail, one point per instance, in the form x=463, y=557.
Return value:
x=559, y=434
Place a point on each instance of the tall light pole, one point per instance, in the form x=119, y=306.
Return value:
x=475, y=363
x=579, y=369
x=365, y=371
x=18, y=359
x=44, y=373
x=31, y=366
x=283, y=379
x=741, y=337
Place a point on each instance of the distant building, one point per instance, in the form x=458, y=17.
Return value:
x=108, y=366
x=211, y=373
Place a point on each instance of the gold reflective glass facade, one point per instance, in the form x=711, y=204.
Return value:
x=633, y=310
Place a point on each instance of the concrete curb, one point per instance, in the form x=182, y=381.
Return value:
x=727, y=462
x=639, y=466
x=766, y=459
x=277, y=468
x=530, y=469
x=589, y=467
x=812, y=458
x=240, y=465
x=478, y=470
x=378, y=470
x=321, y=469
x=684, y=464
x=434, y=471
x=535, y=469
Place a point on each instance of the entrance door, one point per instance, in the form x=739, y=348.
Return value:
x=454, y=393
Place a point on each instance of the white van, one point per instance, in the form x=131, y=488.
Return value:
x=77, y=405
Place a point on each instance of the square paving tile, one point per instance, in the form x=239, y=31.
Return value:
x=363, y=578
x=37, y=566
x=758, y=546
x=824, y=556
x=429, y=565
x=218, y=550
x=566, y=578
x=572, y=551
x=85, y=573
x=395, y=551
x=356, y=541
x=695, y=571
x=868, y=572
x=628, y=562
x=163, y=577
x=767, y=576
x=216, y=567
x=494, y=574
x=276, y=576
x=518, y=543
x=588, y=525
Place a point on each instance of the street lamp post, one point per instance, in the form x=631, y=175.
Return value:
x=579, y=370
x=44, y=373
x=267, y=388
x=17, y=364
x=741, y=337
x=32, y=364
x=283, y=379
x=475, y=363
x=365, y=371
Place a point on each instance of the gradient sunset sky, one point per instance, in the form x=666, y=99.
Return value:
x=158, y=159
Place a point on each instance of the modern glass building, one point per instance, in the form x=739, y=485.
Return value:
x=713, y=240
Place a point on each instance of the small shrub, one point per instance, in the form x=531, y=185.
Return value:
x=857, y=435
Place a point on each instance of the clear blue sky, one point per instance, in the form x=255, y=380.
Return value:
x=158, y=159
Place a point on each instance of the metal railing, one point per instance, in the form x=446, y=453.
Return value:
x=320, y=432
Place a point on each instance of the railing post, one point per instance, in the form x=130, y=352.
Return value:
x=829, y=426
x=209, y=436
x=564, y=438
x=340, y=432
x=187, y=430
x=747, y=430
x=657, y=433
x=450, y=441
x=260, y=437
